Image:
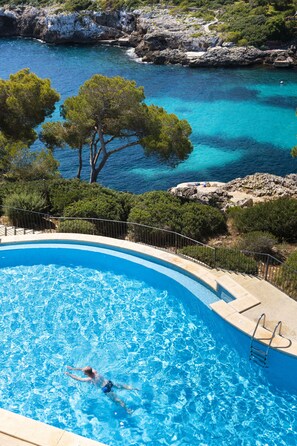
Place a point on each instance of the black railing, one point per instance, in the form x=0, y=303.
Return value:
x=258, y=264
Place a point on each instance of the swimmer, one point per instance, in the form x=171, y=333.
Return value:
x=93, y=377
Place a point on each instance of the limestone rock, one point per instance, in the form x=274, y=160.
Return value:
x=51, y=26
x=243, y=192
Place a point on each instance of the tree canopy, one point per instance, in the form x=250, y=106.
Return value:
x=25, y=101
x=108, y=116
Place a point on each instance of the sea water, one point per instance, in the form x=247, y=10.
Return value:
x=243, y=120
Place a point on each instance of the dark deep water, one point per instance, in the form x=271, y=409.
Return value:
x=243, y=120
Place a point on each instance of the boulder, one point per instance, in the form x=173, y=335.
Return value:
x=241, y=192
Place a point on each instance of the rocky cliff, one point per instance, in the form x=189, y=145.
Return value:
x=157, y=35
x=239, y=192
x=49, y=25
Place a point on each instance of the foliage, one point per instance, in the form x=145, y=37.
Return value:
x=201, y=222
x=257, y=22
x=30, y=166
x=279, y=217
x=287, y=279
x=108, y=116
x=23, y=209
x=62, y=193
x=294, y=152
x=222, y=258
x=78, y=227
x=162, y=210
x=102, y=207
x=25, y=101
x=77, y=5
x=258, y=242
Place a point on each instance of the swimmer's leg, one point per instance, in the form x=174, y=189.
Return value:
x=117, y=400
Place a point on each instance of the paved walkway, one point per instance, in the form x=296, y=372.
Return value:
x=274, y=303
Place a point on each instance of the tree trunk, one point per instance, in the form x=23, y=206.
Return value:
x=79, y=163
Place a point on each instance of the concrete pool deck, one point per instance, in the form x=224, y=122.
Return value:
x=253, y=297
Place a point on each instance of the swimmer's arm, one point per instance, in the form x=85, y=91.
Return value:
x=78, y=378
x=74, y=368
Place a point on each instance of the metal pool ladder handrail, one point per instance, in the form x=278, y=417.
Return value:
x=259, y=355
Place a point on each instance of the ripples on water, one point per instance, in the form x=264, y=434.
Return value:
x=243, y=120
x=194, y=388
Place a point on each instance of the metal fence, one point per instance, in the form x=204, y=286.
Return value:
x=258, y=264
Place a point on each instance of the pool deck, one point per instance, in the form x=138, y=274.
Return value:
x=16, y=430
x=253, y=297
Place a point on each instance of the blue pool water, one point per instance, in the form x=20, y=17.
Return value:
x=136, y=322
x=243, y=120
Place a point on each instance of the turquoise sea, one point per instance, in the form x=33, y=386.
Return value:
x=243, y=120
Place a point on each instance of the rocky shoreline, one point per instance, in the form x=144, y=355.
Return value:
x=241, y=192
x=156, y=35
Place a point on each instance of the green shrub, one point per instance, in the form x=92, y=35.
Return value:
x=162, y=210
x=24, y=187
x=103, y=207
x=155, y=209
x=201, y=222
x=287, y=278
x=78, y=227
x=24, y=210
x=228, y=259
x=63, y=193
x=77, y=5
x=258, y=241
x=279, y=217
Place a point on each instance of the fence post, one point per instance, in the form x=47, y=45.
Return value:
x=175, y=242
x=215, y=256
x=266, y=268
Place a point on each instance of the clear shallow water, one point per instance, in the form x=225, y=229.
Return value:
x=138, y=327
x=243, y=120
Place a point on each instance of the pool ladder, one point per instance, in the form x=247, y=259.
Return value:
x=259, y=355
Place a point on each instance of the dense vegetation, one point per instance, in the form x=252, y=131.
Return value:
x=279, y=217
x=88, y=208
x=257, y=22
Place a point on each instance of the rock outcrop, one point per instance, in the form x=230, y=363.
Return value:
x=157, y=35
x=51, y=26
x=239, y=192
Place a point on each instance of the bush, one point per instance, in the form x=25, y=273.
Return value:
x=258, y=242
x=201, y=222
x=162, y=210
x=228, y=259
x=279, y=217
x=63, y=193
x=23, y=187
x=78, y=227
x=287, y=279
x=104, y=207
x=24, y=209
x=155, y=209
x=77, y=5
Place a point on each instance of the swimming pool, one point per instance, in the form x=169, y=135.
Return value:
x=139, y=322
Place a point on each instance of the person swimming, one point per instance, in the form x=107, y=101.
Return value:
x=106, y=385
